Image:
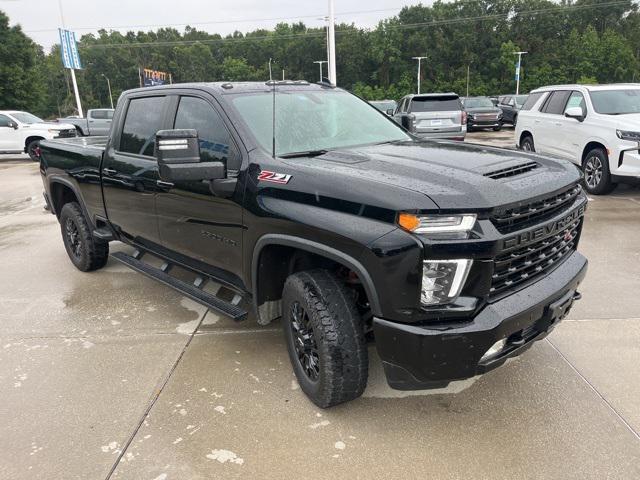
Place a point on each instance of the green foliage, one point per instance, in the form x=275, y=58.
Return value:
x=588, y=44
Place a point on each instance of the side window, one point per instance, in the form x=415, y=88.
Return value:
x=109, y=115
x=143, y=120
x=511, y=102
x=4, y=121
x=215, y=140
x=577, y=100
x=99, y=114
x=532, y=99
x=556, y=102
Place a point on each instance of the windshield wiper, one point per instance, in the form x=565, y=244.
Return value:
x=305, y=153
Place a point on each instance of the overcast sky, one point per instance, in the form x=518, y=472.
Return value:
x=41, y=18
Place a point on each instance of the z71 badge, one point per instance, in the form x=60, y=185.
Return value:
x=267, y=176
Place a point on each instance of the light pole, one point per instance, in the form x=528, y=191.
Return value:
x=468, y=65
x=109, y=87
x=419, y=63
x=320, y=62
x=332, y=45
x=518, y=70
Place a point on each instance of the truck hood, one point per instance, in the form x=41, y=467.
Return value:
x=630, y=121
x=50, y=126
x=453, y=175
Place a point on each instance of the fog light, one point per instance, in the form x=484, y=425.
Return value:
x=495, y=349
x=442, y=280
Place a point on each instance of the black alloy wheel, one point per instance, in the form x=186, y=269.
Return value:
x=304, y=342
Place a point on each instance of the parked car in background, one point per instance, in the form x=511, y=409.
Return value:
x=482, y=113
x=98, y=122
x=510, y=106
x=386, y=106
x=433, y=115
x=21, y=132
x=595, y=126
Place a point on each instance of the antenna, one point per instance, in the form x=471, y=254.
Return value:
x=273, y=118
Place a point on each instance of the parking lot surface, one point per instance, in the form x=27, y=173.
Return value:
x=112, y=375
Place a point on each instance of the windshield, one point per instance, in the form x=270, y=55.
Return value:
x=478, y=103
x=25, y=117
x=315, y=120
x=435, y=104
x=616, y=102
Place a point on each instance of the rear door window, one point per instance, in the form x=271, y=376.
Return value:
x=532, y=99
x=556, y=102
x=436, y=104
x=144, y=118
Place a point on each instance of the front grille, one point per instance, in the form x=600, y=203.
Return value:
x=523, y=216
x=512, y=171
x=528, y=263
x=67, y=133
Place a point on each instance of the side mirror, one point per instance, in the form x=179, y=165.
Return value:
x=178, y=154
x=13, y=124
x=390, y=112
x=574, y=112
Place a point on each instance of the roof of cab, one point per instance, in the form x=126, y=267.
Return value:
x=223, y=88
x=610, y=86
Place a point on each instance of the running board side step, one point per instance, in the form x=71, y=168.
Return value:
x=193, y=291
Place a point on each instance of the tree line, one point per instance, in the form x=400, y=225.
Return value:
x=584, y=41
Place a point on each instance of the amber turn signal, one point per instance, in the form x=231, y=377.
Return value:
x=408, y=221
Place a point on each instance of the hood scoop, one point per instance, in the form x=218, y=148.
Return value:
x=511, y=169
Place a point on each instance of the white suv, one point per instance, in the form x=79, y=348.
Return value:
x=22, y=132
x=595, y=126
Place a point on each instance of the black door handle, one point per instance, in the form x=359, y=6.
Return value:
x=109, y=171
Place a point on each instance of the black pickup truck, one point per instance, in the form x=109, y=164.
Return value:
x=302, y=202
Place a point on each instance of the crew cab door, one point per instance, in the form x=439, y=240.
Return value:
x=100, y=122
x=194, y=222
x=9, y=137
x=130, y=170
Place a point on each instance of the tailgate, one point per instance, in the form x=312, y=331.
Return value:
x=448, y=121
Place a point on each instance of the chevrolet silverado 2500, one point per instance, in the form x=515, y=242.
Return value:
x=303, y=203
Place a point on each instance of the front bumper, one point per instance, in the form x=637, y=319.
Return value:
x=431, y=356
x=483, y=123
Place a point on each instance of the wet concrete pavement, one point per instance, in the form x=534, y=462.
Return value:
x=112, y=375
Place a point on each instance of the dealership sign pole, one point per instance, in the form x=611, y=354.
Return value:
x=518, y=70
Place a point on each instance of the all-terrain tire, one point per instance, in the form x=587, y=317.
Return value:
x=333, y=329
x=86, y=252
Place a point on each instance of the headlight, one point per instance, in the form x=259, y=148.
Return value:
x=628, y=135
x=442, y=280
x=442, y=227
x=54, y=131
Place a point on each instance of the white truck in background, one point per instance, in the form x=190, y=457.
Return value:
x=21, y=132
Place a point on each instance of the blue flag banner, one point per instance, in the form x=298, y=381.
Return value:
x=69, y=49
